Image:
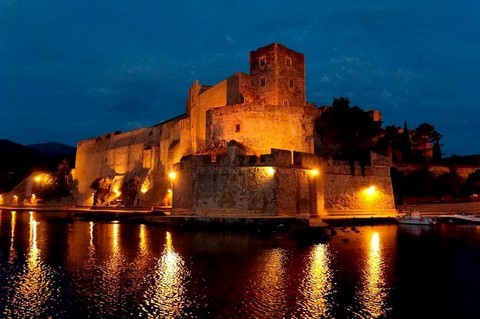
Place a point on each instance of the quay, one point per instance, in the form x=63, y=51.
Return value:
x=161, y=215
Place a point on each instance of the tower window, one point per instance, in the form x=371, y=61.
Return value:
x=262, y=61
x=288, y=61
x=237, y=128
x=262, y=81
x=290, y=82
x=285, y=103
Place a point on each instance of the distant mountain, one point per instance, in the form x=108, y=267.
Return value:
x=53, y=149
x=18, y=161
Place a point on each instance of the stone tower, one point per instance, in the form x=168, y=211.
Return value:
x=278, y=75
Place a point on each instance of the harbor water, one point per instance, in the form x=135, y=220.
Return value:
x=56, y=268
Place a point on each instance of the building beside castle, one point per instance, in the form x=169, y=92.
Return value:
x=244, y=146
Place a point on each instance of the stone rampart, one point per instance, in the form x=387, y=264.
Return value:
x=226, y=187
x=356, y=188
x=146, y=153
x=262, y=127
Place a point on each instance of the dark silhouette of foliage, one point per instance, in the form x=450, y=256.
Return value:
x=425, y=137
x=398, y=184
x=419, y=183
x=472, y=183
x=448, y=185
x=347, y=133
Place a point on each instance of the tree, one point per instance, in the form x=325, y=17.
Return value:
x=425, y=138
x=346, y=132
x=472, y=183
x=447, y=185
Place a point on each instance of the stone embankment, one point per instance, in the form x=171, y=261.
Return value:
x=442, y=209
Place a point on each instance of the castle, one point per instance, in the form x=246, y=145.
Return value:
x=244, y=146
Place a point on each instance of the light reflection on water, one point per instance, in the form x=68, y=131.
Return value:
x=373, y=295
x=31, y=290
x=317, y=286
x=265, y=294
x=166, y=298
x=115, y=270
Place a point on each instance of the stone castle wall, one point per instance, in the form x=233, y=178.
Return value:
x=148, y=153
x=233, y=186
x=259, y=128
x=278, y=75
x=367, y=189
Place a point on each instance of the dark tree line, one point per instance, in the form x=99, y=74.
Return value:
x=423, y=184
x=350, y=133
x=347, y=132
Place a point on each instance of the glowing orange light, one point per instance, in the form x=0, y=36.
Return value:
x=172, y=175
x=38, y=178
x=314, y=172
x=270, y=171
x=371, y=191
x=169, y=190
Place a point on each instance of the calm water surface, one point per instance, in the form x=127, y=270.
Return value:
x=52, y=268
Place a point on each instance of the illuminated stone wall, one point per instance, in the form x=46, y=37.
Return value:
x=262, y=127
x=148, y=153
x=367, y=191
x=234, y=186
x=278, y=75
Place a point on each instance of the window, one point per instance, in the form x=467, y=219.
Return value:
x=262, y=81
x=288, y=61
x=285, y=102
x=237, y=128
x=290, y=82
x=262, y=61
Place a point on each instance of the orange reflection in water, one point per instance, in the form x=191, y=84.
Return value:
x=12, y=254
x=90, y=260
x=266, y=292
x=142, y=239
x=34, y=287
x=110, y=274
x=373, y=294
x=166, y=298
x=317, y=285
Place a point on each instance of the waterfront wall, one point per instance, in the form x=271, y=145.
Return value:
x=366, y=190
x=246, y=185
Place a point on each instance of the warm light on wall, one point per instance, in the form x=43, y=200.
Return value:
x=42, y=178
x=169, y=190
x=370, y=191
x=145, y=186
x=172, y=175
x=270, y=171
x=314, y=172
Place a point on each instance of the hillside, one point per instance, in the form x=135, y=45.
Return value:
x=18, y=161
x=53, y=149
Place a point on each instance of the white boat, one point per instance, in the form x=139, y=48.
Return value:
x=468, y=217
x=415, y=218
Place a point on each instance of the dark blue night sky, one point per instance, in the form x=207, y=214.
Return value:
x=72, y=70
